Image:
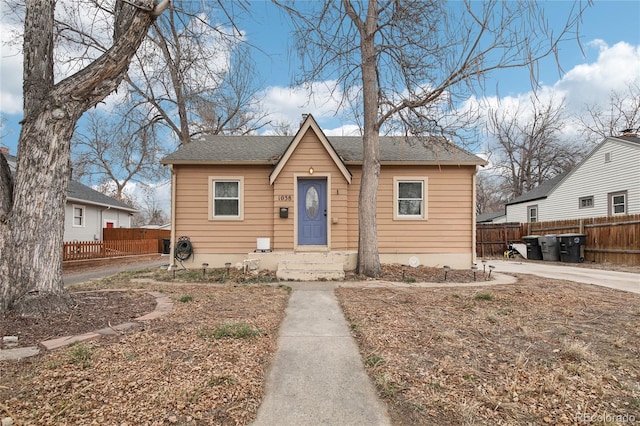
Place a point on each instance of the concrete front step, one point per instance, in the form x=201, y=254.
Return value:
x=310, y=267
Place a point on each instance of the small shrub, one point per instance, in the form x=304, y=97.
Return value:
x=373, y=361
x=238, y=330
x=575, y=350
x=409, y=280
x=221, y=381
x=80, y=354
x=186, y=298
x=483, y=296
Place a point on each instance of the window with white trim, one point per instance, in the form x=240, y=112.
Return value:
x=618, y=203
x=78, y=216
x=226, y=198
x=532, y=213
x=585, y=202
x=410, y=198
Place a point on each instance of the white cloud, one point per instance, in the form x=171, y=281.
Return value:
x=287, y=104
x=10, y=70
x=591, y=83
x=584, y=84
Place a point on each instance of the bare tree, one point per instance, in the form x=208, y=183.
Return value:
x=489, y=193
x=32, y=205
x=621, y=113
x=409, y=61
x=197, y=78
x=151, y=212
x=528, y=148
x=118, y=149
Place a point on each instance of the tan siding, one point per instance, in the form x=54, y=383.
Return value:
x=311, y=153
x=450, y=212
x=192, y=209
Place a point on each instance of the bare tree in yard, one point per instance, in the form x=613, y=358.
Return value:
x=528, y=148
x=196, y=77
x=117, y=150
x=621, y=112
x=32, y=204
x=409, y=61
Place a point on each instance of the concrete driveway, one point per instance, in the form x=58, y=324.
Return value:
x=625, y=281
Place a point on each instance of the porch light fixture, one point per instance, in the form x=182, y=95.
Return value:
x=311, y=170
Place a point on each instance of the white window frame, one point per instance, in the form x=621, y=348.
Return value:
x=589, y=198
x=423, y=180
x=212, y=198
x=83, y=216
x=530, y=216
x=612, y=206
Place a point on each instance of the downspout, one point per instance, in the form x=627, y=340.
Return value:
x=173, y=214
x=473, y=216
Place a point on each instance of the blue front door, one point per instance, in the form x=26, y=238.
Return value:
x=312, y=212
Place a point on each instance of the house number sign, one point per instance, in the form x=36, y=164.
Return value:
x=284, y=197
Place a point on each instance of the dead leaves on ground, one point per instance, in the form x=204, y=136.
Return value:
x=166, y=373
x=538, y=352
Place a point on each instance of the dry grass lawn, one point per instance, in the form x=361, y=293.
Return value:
x=537, y=352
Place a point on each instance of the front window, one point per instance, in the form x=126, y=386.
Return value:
x=532, y=213
x=78, y=216
x=226, y=198
x=618, y=203
x=410, y=199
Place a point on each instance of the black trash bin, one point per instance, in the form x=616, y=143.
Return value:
x=166, y=246
x=534, y=251
x=572, y=247
x=549, y=247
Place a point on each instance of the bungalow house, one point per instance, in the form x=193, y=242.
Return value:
x=605, y=183
x=287, y=204
x=87, y=211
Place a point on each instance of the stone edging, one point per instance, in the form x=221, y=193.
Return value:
x=164, y=305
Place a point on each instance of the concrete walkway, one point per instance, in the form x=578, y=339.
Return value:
x=625, y=281
x=317, y=376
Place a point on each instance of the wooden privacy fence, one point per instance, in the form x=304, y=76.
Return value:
x=137, y=234
x=610, y=239
x=80, y=250
x=492, y=239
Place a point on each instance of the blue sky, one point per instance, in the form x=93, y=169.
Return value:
x=610, y=35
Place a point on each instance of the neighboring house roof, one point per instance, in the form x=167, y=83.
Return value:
x=544, y=189
x=80, y=193
x=251, y=149
x=539, y=192
x=489, y=217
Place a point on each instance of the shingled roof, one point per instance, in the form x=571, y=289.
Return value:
x=82, y=193
x=221, y=149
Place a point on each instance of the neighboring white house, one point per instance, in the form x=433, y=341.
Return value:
x=87, y=211
x=605, y=183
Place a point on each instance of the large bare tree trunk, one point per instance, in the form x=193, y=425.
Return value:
x=32, y=211
x=368, y=257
